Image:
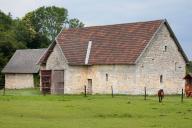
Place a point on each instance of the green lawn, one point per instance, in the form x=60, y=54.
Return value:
x=29, y=109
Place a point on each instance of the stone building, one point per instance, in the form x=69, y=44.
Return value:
x=127, y=57
x=21, y=67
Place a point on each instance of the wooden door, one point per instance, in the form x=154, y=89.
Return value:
x=89, y=87
x=46, y=81
x=58, y=81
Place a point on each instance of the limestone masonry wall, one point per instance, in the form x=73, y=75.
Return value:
x=56, y=61
x=18, y=81
x=162, y=58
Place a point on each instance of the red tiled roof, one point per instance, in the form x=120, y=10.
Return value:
x=111, y=44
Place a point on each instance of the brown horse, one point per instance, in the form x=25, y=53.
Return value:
x=160, y=95
x=188, y=90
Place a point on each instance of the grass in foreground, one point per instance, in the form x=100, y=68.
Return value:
x=37, y=111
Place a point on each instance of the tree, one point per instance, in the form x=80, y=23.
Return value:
x=47, y=21
x=8, y=41
x=189, y=67
x=25, y=33
x=40, y=27
x=75, y=23
x=5, y=21
x=7, y=48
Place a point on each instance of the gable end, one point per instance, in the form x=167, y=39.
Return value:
x=172, y=35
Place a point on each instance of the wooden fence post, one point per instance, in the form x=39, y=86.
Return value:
x=145, y=93
x=182, y=95
x=112, y=91
x=85, y=89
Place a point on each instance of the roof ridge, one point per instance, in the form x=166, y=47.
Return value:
x=114, y=24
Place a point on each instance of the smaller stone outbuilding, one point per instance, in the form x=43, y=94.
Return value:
x=19, y=71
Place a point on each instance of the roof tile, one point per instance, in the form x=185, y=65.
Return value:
x=112, y=44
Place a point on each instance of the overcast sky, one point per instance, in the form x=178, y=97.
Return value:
x=101, y=12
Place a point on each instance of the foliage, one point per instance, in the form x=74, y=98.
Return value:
x=189, y=67
x=75, y=23
x=96, y=111
x=24, y=32
x=8, y=41
x=5, y=21
x=36, y=80
x=48, y=21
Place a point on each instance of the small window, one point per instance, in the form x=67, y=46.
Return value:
x=165, y=49
x=107, y=77
x=161, y=78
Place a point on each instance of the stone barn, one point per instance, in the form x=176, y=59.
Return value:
x=127, y=57
x=21, y=67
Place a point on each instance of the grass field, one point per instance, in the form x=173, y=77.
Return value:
x=29, y=109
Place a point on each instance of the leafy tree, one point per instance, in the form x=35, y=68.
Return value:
x=5, y=21
x=42, y=25
x=75, y=23
x=8, y=41
x=189, y=67
x=24, y=33
x=40, y=41
x=47, y=21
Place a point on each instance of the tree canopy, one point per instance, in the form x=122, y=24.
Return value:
x=47, y=21
x=43, y=24
x=37, y=29
x=189, y=67
x=75, y=23
x=8, y=41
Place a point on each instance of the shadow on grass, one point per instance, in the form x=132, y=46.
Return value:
x=115, y=115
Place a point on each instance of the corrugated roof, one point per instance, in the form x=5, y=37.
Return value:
x=24, y=61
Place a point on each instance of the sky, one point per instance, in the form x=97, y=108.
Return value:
x=102, y=12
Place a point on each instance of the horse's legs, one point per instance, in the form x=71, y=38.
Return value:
x=160, y=99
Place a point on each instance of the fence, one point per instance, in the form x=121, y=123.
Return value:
x=46, y=91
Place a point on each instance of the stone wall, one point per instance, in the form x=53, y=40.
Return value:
x=19, y=81
x=119, y=77
x=75, y=79
x=162, y=57
x=56, y=61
